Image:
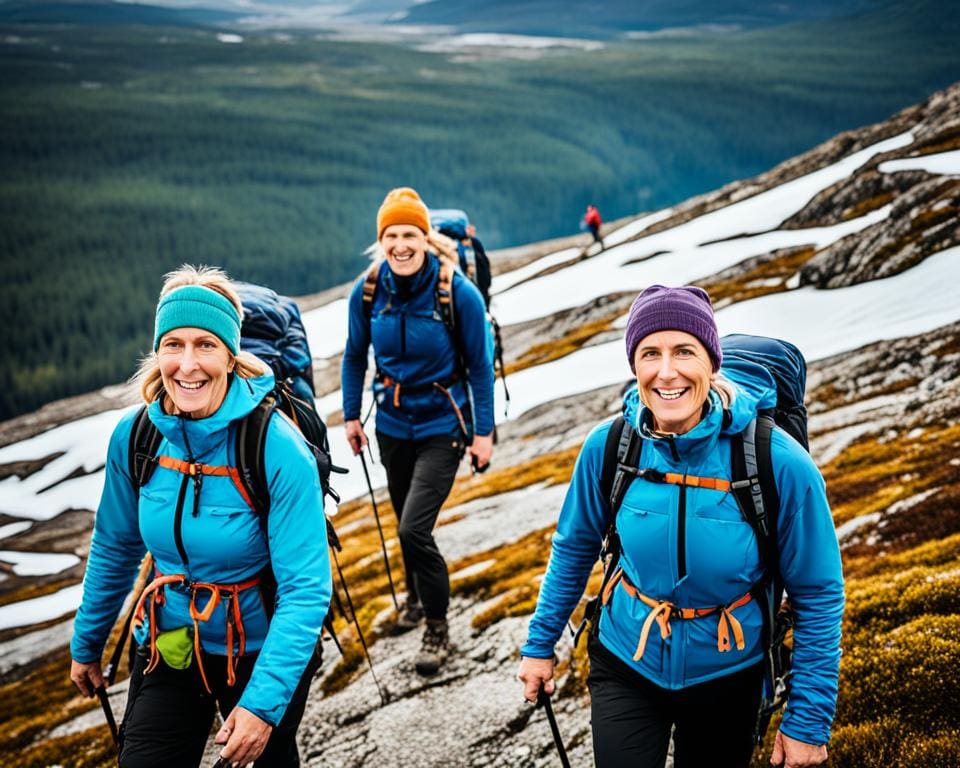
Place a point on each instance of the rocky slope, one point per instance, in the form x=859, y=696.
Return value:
x=885, y=428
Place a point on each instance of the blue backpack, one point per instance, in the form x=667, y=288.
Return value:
x=273, y=331
x=753, y=486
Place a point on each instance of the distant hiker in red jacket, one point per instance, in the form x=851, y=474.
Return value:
x=593, y=221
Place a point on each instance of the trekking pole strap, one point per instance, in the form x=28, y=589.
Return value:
x=543, y=700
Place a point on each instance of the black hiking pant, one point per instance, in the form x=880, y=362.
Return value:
x=169, y=713
x=632, y=717
x=420, y=474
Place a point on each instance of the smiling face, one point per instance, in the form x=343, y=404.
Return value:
x=405, y=247
x=194, y=365
x=674, y=373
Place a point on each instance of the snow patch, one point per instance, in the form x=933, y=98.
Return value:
x=37, y=563
x=40, y=609
x=946, y=163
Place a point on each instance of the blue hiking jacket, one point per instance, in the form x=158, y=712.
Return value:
x=224, y=544
x=411, y=345
x=701, y=553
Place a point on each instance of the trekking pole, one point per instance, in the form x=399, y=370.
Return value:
x=498, y=347
x=335, y=547
x=543, y=700
x=104, y=698
x=383, y=542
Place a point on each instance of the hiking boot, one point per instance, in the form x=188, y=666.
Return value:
x=435, y=647
x=409, y=618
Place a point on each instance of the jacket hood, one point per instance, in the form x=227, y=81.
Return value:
x=197, y=437
x=755, y=390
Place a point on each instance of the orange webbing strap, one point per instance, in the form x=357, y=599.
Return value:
x=663, y=610
x=711, y=483
x=178, y=465
x=231, y=595
x=453, y=404
x=154, y=590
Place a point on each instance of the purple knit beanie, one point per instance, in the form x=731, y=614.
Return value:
x=659, y=308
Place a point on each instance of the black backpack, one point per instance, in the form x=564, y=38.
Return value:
x=754, y=487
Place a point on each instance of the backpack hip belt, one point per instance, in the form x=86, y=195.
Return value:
x=443, y=389
x=664, y=610
x=229, y=593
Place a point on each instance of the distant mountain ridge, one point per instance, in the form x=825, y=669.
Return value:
x=612, y=18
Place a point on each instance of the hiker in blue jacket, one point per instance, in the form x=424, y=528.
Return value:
x=653, y=664
x=205, y=639
x=434, y=393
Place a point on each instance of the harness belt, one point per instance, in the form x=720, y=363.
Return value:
x=664, y=610
x=419, y=389
x=229, y=593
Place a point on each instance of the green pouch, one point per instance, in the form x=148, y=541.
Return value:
x=176, y=647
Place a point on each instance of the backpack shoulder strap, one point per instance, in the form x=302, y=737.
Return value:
x=444, y=295
x=249, y=445
x=622, y=448
x=755, y=487
x=142, y=451
x=370, y=282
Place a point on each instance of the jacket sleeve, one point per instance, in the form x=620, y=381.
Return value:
x=353, y=369
x=296, y=530
x=576, y=546
x=116, y=550
x=811, y=569
x=476, y=342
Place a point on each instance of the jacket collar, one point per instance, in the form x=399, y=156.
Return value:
x=197, y=437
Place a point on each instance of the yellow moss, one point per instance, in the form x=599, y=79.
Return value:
x=92, y=748
x=749, y=284
x=557, y=348
x=863, y=207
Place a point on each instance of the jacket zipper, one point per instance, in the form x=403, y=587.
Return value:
x=682, y=535
x=403, y=335
x=178, y=520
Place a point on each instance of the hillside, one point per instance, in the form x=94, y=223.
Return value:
x=851, y=250
x=129, y=149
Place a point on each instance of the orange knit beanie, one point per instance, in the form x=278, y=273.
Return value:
x=403, y=206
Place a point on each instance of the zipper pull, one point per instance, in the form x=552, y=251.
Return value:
x=197, y=471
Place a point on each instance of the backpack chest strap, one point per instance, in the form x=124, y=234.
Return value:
x=197, y=470
x=676, y=478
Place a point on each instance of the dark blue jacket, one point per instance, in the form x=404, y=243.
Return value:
x=411, y=345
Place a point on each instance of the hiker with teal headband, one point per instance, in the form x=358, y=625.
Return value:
x=232, y=616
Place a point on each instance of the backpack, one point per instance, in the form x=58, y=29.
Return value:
x=753, y=486
x=471, y=254
x=273, y=331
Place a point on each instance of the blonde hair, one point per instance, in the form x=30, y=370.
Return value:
x=147, y=378
x=724, y=388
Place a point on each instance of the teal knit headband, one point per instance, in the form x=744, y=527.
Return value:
x=194, y=306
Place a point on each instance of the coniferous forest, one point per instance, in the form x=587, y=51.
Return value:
x=129, y=149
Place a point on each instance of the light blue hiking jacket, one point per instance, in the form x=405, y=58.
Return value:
x=224, y=543
x=412, y=345
x=692, y=546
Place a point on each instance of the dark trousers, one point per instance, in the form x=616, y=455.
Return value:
x=420, y=474
x=632, y=718
x=169, y=714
